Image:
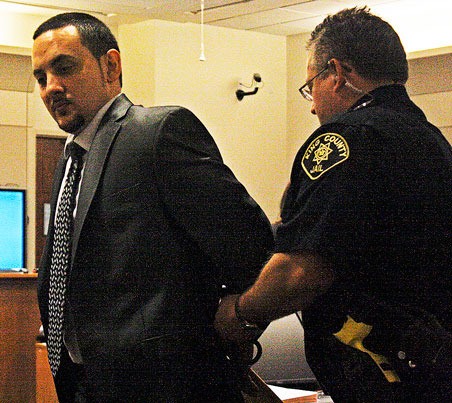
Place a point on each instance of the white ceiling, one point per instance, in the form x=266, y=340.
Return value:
x=421, y=24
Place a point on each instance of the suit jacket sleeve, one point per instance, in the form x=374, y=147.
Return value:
x=208, y=203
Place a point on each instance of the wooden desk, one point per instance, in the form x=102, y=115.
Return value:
x=19, y=326
x=45, y=388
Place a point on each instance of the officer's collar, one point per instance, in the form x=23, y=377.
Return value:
x=363, y=102
x=384, y=92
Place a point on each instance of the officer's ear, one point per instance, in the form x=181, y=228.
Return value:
x=339, y=71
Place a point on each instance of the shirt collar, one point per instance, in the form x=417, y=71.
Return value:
x=393, y=91
x=85, y=138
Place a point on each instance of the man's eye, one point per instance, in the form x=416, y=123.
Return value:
x=41, y=81
x=64, y=69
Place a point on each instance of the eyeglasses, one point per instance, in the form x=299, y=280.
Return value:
x=305, y=89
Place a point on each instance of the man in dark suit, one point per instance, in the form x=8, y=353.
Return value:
x=161, y=230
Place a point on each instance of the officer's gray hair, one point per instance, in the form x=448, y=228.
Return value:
x=364, y=41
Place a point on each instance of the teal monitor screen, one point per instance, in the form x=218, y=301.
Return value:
x=12, y=229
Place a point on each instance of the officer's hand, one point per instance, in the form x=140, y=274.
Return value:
x=228, y=326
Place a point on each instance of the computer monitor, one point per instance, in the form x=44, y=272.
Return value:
x=12, y=229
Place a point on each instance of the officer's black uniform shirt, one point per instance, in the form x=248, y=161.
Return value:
x=371, y=193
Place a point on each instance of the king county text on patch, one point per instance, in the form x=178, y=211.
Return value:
x=325, y=152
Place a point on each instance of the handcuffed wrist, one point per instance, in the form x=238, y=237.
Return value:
x=244, y=323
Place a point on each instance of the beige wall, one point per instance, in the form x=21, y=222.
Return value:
x=13, y=156
x=437, y=108
x=300, y=122
x=162, y=67
x=17, y=29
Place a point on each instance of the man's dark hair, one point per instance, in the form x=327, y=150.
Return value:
x=94, y=34
x=364, y=41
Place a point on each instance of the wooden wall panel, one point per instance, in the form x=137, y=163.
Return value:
x=19, y=326
x=48, y=152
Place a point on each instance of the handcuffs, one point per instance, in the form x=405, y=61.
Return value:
x=254, y=330
x=258, y=354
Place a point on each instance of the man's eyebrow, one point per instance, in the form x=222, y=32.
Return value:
x=37, y=72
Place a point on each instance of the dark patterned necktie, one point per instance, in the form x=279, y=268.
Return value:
x=61, y=256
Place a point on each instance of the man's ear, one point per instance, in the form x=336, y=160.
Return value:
x=113, y=61
x=339, y=71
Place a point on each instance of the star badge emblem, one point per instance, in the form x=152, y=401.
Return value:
x=322, y=153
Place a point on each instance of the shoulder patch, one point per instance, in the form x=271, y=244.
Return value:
x=323, y=153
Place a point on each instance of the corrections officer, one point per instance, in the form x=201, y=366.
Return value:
x=364, y=245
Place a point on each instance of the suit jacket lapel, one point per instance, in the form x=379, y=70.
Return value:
x=94, y=165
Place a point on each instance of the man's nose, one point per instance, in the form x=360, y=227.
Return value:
x=313, y=108
x=54, y=84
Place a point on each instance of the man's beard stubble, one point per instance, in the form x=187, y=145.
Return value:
x=73, y=126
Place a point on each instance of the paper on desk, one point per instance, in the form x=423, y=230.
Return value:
x=288, y=395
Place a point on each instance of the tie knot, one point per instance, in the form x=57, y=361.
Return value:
x=75, y=151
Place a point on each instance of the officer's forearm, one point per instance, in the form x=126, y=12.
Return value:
x=287, y=283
